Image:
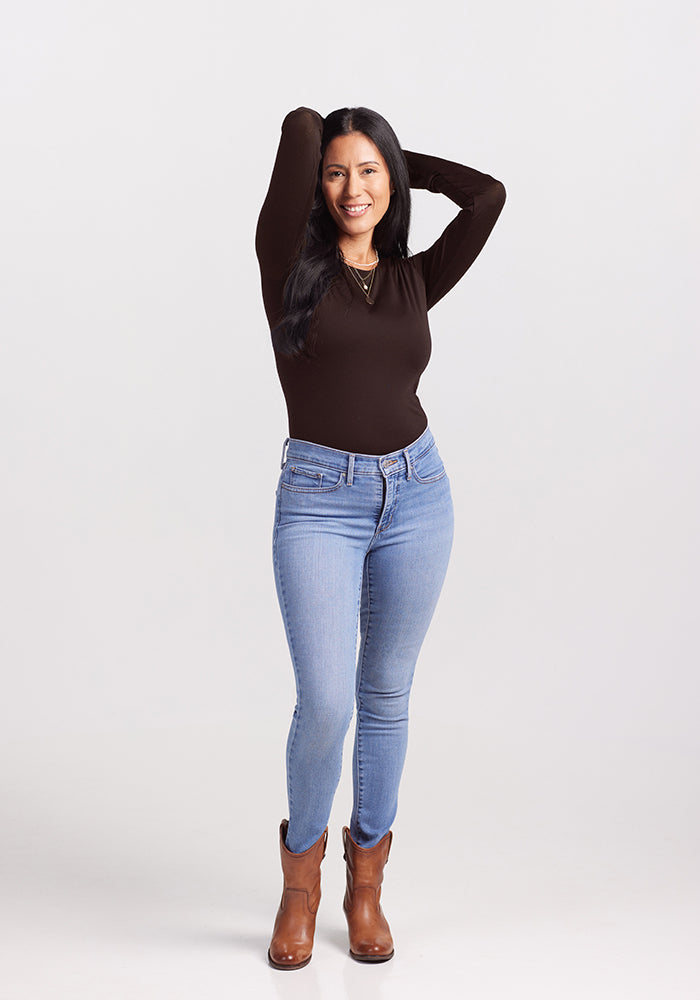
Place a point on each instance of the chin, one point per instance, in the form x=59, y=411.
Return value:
x=355, y=228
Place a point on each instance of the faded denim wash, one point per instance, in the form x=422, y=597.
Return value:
x=357, y=539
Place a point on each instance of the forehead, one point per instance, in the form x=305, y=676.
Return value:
x=351, y=149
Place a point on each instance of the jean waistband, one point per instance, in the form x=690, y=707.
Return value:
x=356, y=463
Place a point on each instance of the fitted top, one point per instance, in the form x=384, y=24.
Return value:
x=358, y=390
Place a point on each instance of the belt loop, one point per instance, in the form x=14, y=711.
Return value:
x=284, y=448
x=408, y=463
x=351, y=467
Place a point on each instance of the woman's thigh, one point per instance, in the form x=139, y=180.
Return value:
x=404, y=573
x=319, y=546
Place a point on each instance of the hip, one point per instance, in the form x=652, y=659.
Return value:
x=333, y=490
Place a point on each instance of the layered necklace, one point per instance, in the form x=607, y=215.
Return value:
x=364, y=283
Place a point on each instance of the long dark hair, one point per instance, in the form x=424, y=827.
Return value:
x=319, y=260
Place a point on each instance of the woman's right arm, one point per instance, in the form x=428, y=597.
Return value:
x=286, y=208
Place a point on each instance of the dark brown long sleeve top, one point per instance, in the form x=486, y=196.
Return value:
x=359, y=390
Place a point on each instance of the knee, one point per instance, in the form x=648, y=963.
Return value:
x=326, y=719
x=384, y=706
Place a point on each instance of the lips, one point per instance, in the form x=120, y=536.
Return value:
x=354, y=210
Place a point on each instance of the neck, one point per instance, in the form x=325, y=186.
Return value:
x=358, y=248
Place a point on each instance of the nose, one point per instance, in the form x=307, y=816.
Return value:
x=353, y=188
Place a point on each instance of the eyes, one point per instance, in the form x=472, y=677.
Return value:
x=332, y=174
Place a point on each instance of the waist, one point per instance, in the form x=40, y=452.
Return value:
x=361, y=464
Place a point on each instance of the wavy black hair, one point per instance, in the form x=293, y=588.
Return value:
x=319, y=262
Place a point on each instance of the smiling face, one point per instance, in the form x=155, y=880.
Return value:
x=356, y=187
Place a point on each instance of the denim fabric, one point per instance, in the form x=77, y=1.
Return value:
x=357, y=539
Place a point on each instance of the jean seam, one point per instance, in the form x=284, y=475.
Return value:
x=425, y=451
x=295, y=717
x=312, y=461
x=432, y=479
x=365, y=643
x=393, y=506
x=314, y=490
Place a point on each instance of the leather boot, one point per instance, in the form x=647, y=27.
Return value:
x=293, y=933
x=370, y=937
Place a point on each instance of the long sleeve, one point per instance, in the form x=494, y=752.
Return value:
x=287, y=205
x=480, y=198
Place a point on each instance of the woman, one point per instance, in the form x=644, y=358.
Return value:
x=364, y=520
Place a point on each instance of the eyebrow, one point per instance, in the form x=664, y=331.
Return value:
x=343, y=166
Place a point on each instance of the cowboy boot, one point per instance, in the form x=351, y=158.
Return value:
x=293, y=933
x=370, y=937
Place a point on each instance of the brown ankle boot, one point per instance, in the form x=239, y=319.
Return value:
x=293, y=934
x=370, y=937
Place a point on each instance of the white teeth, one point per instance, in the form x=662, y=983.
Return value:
x=355, y=209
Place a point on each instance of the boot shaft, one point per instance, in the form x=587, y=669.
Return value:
x=365, y=865
x=370, y=936
x=295, y=923
x=302, y=872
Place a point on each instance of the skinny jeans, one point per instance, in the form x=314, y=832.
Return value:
x=359, y=541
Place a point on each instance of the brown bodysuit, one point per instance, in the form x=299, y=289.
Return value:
x=358, y=392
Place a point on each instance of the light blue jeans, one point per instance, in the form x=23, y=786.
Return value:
x=357, y=538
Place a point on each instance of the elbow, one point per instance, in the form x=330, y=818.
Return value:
x=306, y=119
x=491, y=199
x=497, y=195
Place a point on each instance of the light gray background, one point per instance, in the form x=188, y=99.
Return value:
x=546, y=843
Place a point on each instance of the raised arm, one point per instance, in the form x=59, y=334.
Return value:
x=480, y=198
x=286, y=208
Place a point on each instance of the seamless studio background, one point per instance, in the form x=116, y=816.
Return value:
x=546, y=842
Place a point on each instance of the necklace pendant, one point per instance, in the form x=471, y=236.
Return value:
x=365, y=287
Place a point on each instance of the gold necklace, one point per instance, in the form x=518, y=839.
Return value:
x=364, y=285
x=357, y=263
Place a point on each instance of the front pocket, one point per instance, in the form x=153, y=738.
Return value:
x=428, y=467
x=310, y=478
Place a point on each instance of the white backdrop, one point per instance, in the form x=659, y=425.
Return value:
x=546, y=843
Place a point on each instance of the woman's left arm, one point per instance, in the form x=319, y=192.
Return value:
x=480, y=198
